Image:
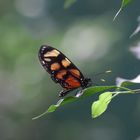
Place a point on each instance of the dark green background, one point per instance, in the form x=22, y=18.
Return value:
x=87, y=35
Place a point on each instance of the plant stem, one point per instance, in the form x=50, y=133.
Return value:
x=136, y=91
x=128, y=91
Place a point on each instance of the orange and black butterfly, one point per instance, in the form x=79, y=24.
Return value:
x=62, y=70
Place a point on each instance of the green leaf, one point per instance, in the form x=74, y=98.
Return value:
x=69, y=3
x=126, y=82
x=87, y=92
x=123, y=4
x=51, y=108
x=98, y=107
x=95, y=89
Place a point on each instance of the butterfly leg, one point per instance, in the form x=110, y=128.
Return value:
x=79, y=93
x=64, y=92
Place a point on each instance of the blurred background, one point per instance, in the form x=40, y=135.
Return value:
x=86, y=33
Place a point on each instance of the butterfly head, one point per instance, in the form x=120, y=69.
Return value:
x=87, y=83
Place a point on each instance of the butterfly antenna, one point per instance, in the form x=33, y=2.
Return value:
x=103, y=80
x=101, y=73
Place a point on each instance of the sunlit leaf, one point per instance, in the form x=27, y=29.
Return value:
x=69, y=3
x=98, y=107
x=87, y=92
x=123, y=4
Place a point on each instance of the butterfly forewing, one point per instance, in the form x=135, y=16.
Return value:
x=61, y=69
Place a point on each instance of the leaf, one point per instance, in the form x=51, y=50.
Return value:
x=126, y=82
x=87, y=92
x=136, y=48
x=123, y=4
x=51, y=108
x=136, y=31
x=98, y=107
x=69, y=3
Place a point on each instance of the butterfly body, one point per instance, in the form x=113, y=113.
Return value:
x=62, y=70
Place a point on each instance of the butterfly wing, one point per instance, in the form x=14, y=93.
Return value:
x=61, y=69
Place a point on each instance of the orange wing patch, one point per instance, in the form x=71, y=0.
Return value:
x=65, y=62
x=55, y=66
x=75, y=72
x=72, y=82
x=60, y=74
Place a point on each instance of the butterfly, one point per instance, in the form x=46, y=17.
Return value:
x=62, y=70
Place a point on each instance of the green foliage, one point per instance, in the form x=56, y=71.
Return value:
x=87, y=92
x=126, y=83
x=99, y=106
x=123, y=4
